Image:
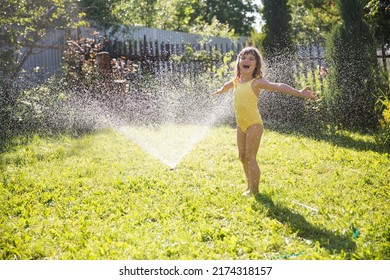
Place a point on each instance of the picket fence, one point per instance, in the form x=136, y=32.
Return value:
x=154, y=56
x=152, y=52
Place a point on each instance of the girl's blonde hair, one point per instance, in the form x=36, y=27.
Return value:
x=257, y=73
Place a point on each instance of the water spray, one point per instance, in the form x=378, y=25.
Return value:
x=170, y=118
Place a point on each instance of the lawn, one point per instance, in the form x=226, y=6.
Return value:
x=100, y=196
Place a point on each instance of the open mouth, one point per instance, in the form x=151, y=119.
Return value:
x=246, y=66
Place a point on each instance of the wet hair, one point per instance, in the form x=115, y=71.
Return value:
x=257, y=73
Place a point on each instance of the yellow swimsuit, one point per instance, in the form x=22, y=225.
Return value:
x=245, y=106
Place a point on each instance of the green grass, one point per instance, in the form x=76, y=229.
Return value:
x=102, y=197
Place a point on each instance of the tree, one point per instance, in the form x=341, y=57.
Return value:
x=182, y=15
x=279, y=54
x=99, y=11
x=235, y=13
x=378, y=15
x=24, y=22
x=354, y=78
x=277, y=30
x=313, y=19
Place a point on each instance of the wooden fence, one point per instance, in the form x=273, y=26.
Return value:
x=154, y=57
x=146, y=49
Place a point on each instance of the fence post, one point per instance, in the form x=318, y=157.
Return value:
x=145, y=55
x=177, y=49
x=168, y=54
x=384, y=57
x=103, y=62
x=119, y=48
x=130, y=48
x=167, y=50
x=114, y=51
x=239, y=47
x=145, y=46
x=135, y=48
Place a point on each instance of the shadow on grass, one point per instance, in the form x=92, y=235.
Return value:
x=328, y=240
x=337, y=138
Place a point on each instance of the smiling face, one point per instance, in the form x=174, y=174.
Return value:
x=248, y=63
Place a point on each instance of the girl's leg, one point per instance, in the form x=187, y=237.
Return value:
x=241, y=144
x=248, y=145
x=252, y=143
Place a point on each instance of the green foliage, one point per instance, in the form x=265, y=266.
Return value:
x=378, y=15
x=277, y=29
x=133, y=12
x=214, y=29
x=384, y=107
x=279, y=55
x=99, y=11
x=316, y=19
x=235, y=13
x=350, y=11
x=49, y=108
x=224, y=71
x=212, y=61
x=7, y=52
x=354, y=78
x=101, y=197
x=25, y=22
x=37, y=109
x=313, y=19
x=256, y=38
x=8, y=121
x=184, y=15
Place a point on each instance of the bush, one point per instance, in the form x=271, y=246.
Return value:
x=279, y=56
x=7, y=102
x=354, y=78
x=384, y=131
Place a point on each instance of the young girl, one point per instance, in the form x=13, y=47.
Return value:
x=247, y=83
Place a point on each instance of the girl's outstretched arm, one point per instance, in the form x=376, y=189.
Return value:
x=264, y=84
x=225, y=88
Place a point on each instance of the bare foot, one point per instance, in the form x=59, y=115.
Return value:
x=247, y=193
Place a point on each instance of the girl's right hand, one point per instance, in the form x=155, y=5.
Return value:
x=216, y=92
x=226, y=87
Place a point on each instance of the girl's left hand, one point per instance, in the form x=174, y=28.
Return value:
x=307, y=93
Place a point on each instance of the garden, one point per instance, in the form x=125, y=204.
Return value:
x=144, y=166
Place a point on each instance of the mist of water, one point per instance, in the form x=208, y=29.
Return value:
x=166, y=115
x=170, y=116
